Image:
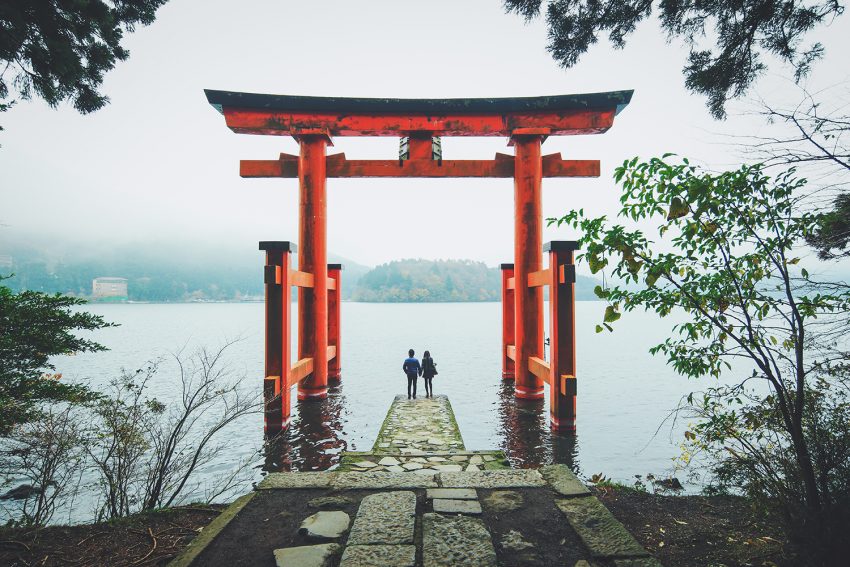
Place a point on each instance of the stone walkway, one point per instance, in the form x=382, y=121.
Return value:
x=420, y=436
x=459, y=509
x=423, y=425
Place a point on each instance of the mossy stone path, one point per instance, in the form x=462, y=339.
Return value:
x=421, y=436
x=419, y=499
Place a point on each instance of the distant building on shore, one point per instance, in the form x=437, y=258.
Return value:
x=109, y=288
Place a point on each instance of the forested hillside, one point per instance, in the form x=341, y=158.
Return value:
x=441, y=280
x=429, y=280
x=154, y=273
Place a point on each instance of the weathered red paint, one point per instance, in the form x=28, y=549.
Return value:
x=508, y=324
x=312, y=259
x=282, y=123
x=334, y=364
x=522, y=316
x=528, y=258
x=338, y=166
x=562, y=344
x=277, y=338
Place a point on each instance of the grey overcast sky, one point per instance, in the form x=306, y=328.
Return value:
x=158, y=163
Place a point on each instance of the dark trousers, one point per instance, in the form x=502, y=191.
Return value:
x=411, y=382
x=429, y=388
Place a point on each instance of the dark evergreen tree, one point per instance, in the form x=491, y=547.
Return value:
x=728, y=39
x=34, y=327
x=59, y=50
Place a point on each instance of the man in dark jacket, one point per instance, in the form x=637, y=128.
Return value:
x=413, y=369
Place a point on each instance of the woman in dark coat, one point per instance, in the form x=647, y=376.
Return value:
x=429, y=369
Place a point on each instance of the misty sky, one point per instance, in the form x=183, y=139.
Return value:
x=159, y=165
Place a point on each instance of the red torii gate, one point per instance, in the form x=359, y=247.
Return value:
x=314, y=121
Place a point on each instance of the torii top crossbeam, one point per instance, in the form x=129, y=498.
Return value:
x=282, y=115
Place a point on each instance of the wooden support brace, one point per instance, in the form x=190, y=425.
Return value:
x=511, y=283
x=568, y=385
x=540, y=368
x=539, y=278
x=338, y=166
x=301, y=279
x=300, y=370
x=511, y=352
x=331, y=352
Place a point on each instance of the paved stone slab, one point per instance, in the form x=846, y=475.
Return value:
x=446, y=506
x=307, y=555
x=388, y=461
x=325, y=525
x=428, y=473
x=456, y=541
x=297, y=480
x=378, y=480
x=378, y=556
x=603, y=535
x=492, y=479
x=448, y=468
x=563, y=481
x=385, y=518
x=454, y=493
x=640, y=562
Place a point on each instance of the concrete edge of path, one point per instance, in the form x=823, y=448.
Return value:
x=603, y=534
x=209, y=533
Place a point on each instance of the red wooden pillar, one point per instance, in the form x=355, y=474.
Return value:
x=313, y=258
x=334, y=300
x=528, y=258
x=508, y=325
x=278, y=355
x=562, y=336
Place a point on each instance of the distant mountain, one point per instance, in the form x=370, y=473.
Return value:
x=154, y=273
x=441, y=281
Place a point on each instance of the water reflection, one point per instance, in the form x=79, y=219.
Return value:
x=526, y=437
x=315, y=437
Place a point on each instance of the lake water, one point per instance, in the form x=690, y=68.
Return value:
x=624, y=393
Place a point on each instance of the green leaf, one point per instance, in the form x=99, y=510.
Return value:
x=595, y=263
x=599, y=328
x=678, y=209
x=611, y=314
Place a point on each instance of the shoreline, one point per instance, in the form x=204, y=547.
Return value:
x=686, y=531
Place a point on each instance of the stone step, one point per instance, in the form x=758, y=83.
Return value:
x=377, y=556
x=456, y=541
x=505, y=478
x=386, y=518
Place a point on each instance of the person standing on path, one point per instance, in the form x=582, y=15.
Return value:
x=413, y=369
x=429, y=370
